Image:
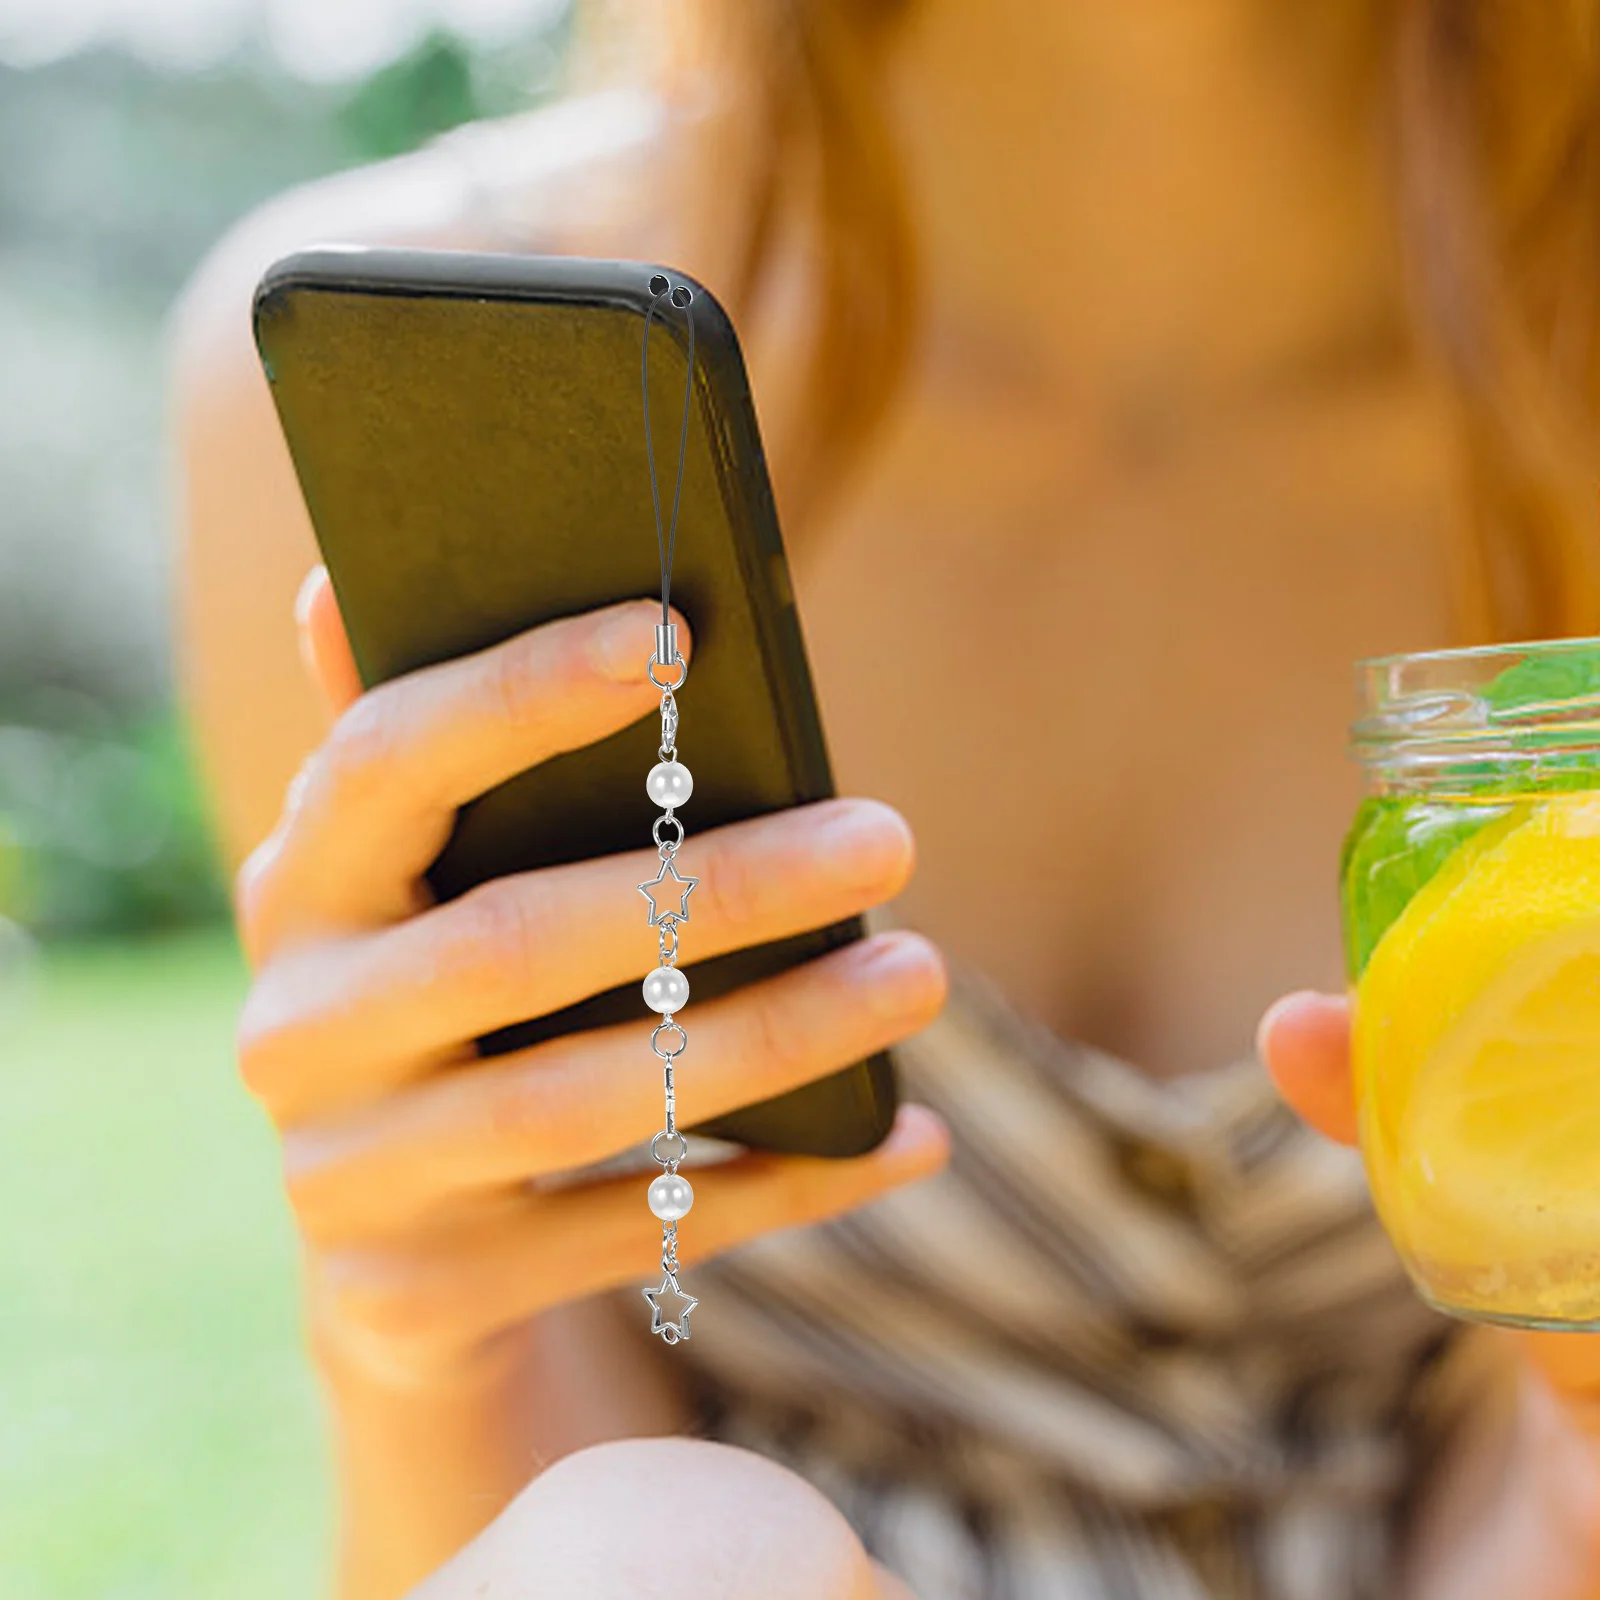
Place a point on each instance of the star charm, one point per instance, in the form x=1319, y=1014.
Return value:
x=671, y=1328
x=660, y=897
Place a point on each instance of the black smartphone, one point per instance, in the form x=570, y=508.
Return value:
x=468, y=432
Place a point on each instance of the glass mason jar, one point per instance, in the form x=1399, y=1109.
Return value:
x=1470, y=884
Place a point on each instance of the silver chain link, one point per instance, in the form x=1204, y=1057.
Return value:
x=669, y=726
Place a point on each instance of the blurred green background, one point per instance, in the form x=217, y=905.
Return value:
x=159, y=1429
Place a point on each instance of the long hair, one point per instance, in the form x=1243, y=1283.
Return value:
x=1490, y=110
x=1495, y=119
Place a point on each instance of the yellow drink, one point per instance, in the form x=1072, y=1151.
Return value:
x=1472, y=910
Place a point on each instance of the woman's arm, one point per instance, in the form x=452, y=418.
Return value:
x=1517, y=1511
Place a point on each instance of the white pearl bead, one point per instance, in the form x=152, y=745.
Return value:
x=666, y=989
x=670, y=783
x=671, y=1197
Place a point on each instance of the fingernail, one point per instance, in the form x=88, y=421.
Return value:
x=862, y=845
x=918, y=1132
x=1269, y=1021
x=622, y=644
x=1300, y=1000
x=901, y=971
x=305, y=594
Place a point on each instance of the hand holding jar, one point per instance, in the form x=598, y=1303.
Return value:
x=1465, y=1059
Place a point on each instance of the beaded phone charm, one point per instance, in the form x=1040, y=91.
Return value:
x=669, y=784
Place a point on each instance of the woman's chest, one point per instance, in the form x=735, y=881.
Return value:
x=1107, y=679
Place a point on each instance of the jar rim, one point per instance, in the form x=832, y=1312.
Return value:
x=1432, y=718
x=1482, y=652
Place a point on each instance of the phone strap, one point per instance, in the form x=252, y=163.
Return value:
x=683, y=298
x=669, y=785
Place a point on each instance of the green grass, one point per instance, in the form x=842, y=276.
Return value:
x=160, y=1434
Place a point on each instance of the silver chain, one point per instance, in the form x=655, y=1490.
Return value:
x=665, y=991
x=669, y=785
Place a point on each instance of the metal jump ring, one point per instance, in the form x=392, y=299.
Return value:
x=668, y=1161
x=677, y=661
x=655, y=831
x=669, y=1055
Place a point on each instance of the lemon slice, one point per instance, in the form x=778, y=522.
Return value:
x=1500, y=1141
x=1477, y=1046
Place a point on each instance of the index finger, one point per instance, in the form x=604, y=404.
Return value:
x=375, y=804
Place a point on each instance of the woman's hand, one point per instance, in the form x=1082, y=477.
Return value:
x=1529, y=1525
x=409, y=1158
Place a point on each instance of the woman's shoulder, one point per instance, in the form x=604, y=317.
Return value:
x=588, y=174
x=579, y=175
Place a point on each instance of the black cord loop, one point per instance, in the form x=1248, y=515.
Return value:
x=666, y=543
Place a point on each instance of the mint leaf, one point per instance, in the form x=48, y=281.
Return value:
x=1396, y=844
x=1536, y=679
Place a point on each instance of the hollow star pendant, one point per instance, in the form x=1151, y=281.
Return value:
x=673, y=1327
x=660, y=896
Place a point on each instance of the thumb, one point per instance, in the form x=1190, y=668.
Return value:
x=1304, y=1042
x=324, y=645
